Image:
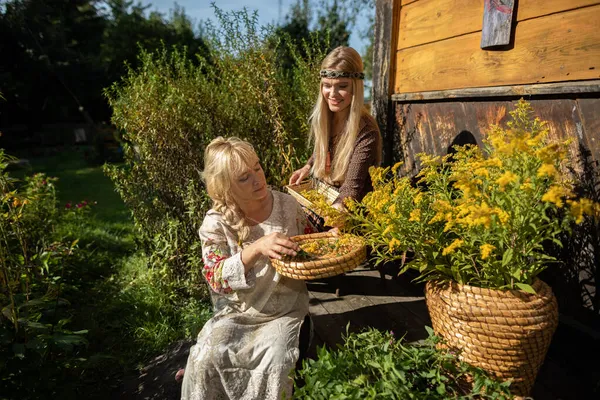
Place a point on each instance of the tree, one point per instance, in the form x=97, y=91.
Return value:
x=129, y=29
x=49, y=61
x=59, y=55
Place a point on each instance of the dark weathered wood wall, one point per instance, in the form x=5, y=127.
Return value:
x=432, y=127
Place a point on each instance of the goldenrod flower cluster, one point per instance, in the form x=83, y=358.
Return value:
x=481, y=215
x=328, y=247
x=322, y=206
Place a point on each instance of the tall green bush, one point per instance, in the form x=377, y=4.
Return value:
x=175, y=104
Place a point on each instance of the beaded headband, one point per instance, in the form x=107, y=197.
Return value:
x=334, y=74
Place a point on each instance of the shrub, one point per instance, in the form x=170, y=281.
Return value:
x=374, y=365
x=173, y=106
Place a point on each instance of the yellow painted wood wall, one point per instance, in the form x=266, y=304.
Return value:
x=437, y=45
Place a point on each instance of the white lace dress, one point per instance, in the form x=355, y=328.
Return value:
x=249, y=347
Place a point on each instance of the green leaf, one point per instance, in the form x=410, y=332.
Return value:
x=507, y=257
x=441, y=388
x=429, y=330
x=525, y=287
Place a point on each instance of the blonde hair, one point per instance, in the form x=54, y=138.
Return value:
x=224, y=160
x=344, y=59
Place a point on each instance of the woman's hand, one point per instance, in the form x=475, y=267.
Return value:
x=274, y=245
x=299, y=175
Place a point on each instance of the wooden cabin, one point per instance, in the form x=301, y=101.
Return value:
x=445, y=70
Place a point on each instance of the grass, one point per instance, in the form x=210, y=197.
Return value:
x=131, y=309
x=79, y=181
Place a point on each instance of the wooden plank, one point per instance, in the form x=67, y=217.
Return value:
x=405, y=2
x=367, y=302
x=383, y=59
x=326, y=326
x=591, y=86
x=428, y=21
x=406, y=316
x=559, y=47
x=433, y=20
x=497, y=23
x=528, y=9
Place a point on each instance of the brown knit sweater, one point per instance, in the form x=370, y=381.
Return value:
x=367, y=153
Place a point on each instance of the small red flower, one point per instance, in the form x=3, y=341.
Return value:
x=68, y=205
x=78, y=205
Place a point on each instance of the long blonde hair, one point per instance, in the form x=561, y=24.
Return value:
x=344, y=59
x=224, y=160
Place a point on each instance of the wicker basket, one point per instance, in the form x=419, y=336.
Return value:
x=296, y=191
x=506, y=332
x=318, y=269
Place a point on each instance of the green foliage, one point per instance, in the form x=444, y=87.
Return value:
x=171, y=108
x=96, y=310
x=35, y=315
x=374, y=365
x=478, y=217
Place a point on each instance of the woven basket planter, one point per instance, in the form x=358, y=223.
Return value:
x=506, y=332
x=318, y=269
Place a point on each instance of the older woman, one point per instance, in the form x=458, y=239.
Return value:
x=248, y=348
x=346, y=137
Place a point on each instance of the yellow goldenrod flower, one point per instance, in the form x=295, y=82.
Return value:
x=482, y=172
x=494, y=162
x=393, y=244
x=554, y=151
x=418, y=198
x=377, y=175
x=554, y=195
x=392, y=209
x=506, y=178
x=448, y=226
x=415, y=215
x=486, y=250
x=547, y=169
x=526, y=185
x=396, y=166
x=503, y=216
x=581, y=208
x=453, y=246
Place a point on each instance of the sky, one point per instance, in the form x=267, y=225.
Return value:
x=268, y=12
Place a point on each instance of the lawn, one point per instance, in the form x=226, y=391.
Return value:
x=79, y=181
